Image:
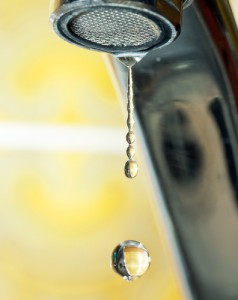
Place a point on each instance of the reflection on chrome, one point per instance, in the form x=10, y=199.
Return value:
x=186, y=101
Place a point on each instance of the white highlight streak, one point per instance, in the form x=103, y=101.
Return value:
x=37, y=137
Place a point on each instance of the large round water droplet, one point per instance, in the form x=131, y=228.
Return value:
x=130, y=152
x=131, y=169
x=130, y=260
x=130, y=137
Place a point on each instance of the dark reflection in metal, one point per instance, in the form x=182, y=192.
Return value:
x=217, y=112
x=182, y=152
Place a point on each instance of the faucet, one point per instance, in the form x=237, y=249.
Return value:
x=186, y=104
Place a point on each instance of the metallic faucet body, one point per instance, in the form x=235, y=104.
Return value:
x=122, y=28
x=186, y=102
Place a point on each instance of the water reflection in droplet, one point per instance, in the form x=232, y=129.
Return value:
x=131, y=169
x=130, y=152
x=130, y=260
x=130, y=137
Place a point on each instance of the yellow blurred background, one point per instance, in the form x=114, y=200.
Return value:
x=64, y=200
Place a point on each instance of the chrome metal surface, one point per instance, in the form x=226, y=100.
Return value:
x=130, y=28
x=186, y=101
x=186, y=3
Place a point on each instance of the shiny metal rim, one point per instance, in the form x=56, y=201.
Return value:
x=187, y=3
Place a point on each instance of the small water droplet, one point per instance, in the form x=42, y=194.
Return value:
x=130, y=152
x=130, y=137
x=130, y=61
x=131, y=169
x=130, y=121
x=130, y=260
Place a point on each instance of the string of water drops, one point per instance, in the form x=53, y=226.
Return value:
x=131, y=167
x=130, y=259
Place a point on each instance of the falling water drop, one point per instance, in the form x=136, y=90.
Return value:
x=131, y=168
x=130, y=260
x=130, y=152
x=130, y=137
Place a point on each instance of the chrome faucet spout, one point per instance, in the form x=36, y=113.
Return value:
x=186, y=102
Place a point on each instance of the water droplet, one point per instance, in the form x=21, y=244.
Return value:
x=130, y=137
x=130, y=152
x=131, y=169
x=130, y=260
x=130, y=61
x=130, y=121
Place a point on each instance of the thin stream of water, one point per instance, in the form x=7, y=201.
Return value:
x=131, y=167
